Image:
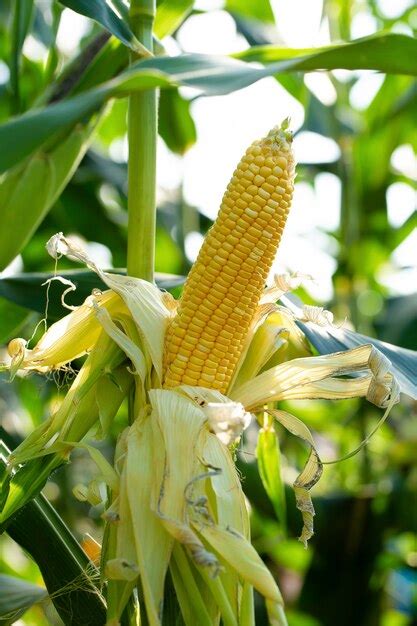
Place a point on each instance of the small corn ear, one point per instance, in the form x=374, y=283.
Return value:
x=29, y=190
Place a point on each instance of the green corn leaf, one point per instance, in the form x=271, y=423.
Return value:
x=16, y=597
x=385, y=52
x=103, y=13
x=260, y=10
x=12, y=318
x=22, y=17
x=21, y=213
x=70, y=577
x=176, y=126
x=26, y=290
x=269, y=464
x=170, y=15
x=62, y=116
x=211, y=75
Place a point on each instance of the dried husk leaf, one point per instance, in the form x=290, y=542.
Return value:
x=283, y=283
x=229, y=508
x=283, y=380
x=144, y=300
x=144, y=463
x=180, y=423
x=310, y=474
x=78, y=411
x=69, y=338
x=131, y=349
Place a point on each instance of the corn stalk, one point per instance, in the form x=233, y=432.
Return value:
x=142, y=137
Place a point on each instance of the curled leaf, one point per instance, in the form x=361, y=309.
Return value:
x=309, y=476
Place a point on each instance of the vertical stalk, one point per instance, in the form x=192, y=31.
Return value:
x=142, y=137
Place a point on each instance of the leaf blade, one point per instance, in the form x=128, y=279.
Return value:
x=17, y=596
x=101, y=12
x=269, y=464
x=390, y=53
x=170, y=15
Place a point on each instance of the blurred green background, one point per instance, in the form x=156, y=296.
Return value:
x=352, y=228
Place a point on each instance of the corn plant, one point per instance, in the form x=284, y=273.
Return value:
x=196, y=371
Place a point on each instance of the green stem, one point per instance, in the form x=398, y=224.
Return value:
x=142, y=136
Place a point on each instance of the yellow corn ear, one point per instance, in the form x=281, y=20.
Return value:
x=205, y=339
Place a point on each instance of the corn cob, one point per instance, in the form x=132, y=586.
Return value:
x=206, y=338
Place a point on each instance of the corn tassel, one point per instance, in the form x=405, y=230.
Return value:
x=223, y=289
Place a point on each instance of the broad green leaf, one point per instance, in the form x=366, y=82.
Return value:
x=396, y=92
x=16, y=597
x=176, y=126
x=23, y=207
x=103, y=13
x=71, y=579
x=259, y=10
x=12, y=318
x=26, y=290
x=269, y=464
x=169, y=16
x=210, y=75
x=22, y=17
x=28, y=132
x=385, y=52
x=100, y=60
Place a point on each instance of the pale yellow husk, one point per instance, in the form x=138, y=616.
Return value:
x=176, y=499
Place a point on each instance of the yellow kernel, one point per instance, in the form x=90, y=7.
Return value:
x=253, y=190
x=272, y=180
x=259, y=201
x=258, y=180
x=265, y=171
x=207, y=377
x=251, y=212
x=264, y=193
x=188, y=379
x=268, y=188
x=248, y=174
